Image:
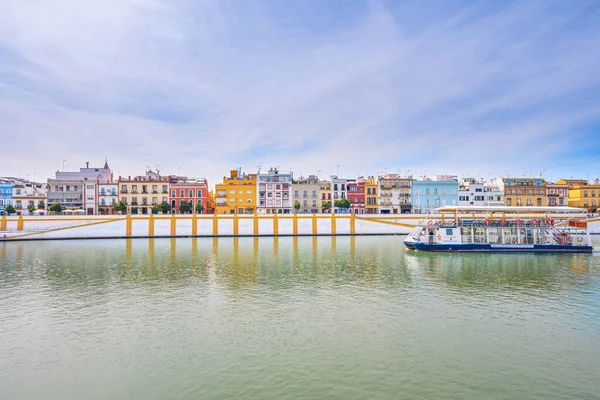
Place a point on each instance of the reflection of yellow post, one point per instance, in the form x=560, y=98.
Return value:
x=295, y=246
x=295, y=224
x=333, y=246
x=215, y=248
x=128, y=250
x=128, y=225
x=19, y=254
x=275, y=225
x=276, y=246
x=333, y=224
x=236, y=224
x=173, y=225
x=3, y=223
x=352, y=247
x=255, y=223
x=314, y=249
x=3, y=252
x=173, y=251
x=151, y=225
x=236, y=251
x=151, y=252
x=352, y=224
x=314, y=224
x=215, y=225
x=255, y=254
x=20, y=223
x=194, y=252
x=195, y=225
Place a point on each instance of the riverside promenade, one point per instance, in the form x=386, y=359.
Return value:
x=214, y=225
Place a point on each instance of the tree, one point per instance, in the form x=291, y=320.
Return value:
x=163, y=207
x=9, y=209
x=56, y=207
x=296, y=206
x=120, y=207
x=31, y=208
x=41, y=204
x=185, y=207
x=199, y=208
x=326, y=206
x=342, y=203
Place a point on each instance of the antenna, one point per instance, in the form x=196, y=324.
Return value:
x=258, y=168
x=63, y=161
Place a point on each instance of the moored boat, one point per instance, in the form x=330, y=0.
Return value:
x=503, y=229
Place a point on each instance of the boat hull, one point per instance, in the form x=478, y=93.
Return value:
x=489, y=248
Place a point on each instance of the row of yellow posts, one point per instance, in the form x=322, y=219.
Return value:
x=236, y=218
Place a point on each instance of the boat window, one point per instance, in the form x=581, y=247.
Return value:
x=448, y=232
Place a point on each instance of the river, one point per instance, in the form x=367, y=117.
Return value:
x=294, y=318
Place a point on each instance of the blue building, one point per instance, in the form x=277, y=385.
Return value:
x=428, y=195
x=5, y=195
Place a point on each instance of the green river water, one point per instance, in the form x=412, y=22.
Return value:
x=294, y=318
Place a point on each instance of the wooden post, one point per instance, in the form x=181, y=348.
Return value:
x=352, y=224
x=151, y=226
x=314, y=224
x=128, y=225
x=295, y=225
x=333, y=227
x=255, y=223
x=3, y=223
x=215, y=225
x=173, y=225
x=195, y=225
x=20, y=223
x=235, y=224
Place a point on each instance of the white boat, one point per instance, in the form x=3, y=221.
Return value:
x=503, y=229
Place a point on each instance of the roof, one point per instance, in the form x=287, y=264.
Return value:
x=509, y=209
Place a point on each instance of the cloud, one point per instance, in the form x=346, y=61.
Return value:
x=207, y=86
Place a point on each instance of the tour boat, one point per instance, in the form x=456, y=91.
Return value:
x=503, y=229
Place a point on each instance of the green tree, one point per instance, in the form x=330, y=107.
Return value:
x=56, y=207
x=9, y=209
x=199, y=208
x=326, y=206
x=296, y=206
x=163, y=207
x=31, y=208
x=41, y=204
x=185, y=207
x=342, y=203
x=120, y=207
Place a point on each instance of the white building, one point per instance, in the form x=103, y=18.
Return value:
x=274, y=192
x=339, y=190
x=26, y=194
x=473, y=192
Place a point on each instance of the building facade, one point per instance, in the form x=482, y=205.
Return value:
x=142, y=192
x=356, y=196
x=395, y=194
x=525, y=192
x=274, y=195
x=28, y=194
x=5, y=195
x=190, y=191
x=558, y=194
x=306, y=192
x=427, y=195
x=585, y=195
x=108, y=195
x=325, y=197
x=371, y=195
x=236, y=194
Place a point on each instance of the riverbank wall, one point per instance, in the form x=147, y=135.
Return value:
x=144, y=226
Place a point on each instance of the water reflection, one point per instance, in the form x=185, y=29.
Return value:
x=238, y=263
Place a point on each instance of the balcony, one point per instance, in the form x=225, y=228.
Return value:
x=154, y=191
x=134, y=203
x=165, y=191
x=145, y=191
x=134, y=191
x=123, y=190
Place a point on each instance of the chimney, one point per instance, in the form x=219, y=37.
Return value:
x=87, y=164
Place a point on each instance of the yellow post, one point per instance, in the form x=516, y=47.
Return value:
x=128, y=251
x=275, y=225
x=3, y=223
x=194, y=224
x=295, y=224
x=128, y=225
x=235, y=224
x=314, y=224
x=173, y=225
x=151, y=225
x=215, y=225
x=255, y=223
x=20, y=223
x=333, y=223
x=352, y=224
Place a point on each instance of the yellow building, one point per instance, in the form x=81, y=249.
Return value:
x=583, y=194
x=525, y=192
x=371, y=195
x=325, y=196
x=237, y=194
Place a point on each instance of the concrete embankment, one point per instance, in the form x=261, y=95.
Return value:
x=140, y=226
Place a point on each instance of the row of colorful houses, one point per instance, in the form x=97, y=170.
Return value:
x=96, y=191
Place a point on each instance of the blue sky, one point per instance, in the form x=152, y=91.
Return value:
x=483, y=88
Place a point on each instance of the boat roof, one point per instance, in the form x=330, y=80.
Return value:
x=510, y=209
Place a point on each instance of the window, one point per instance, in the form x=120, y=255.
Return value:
x=232, y=200
x=295, y=193
x=478, y=189
x=585, y=193
x=173, y=193
x=232, y=192
x=435, y=191
x=248, y=191
x=448, y=232
x=426, y=191
x=508, y=201
x=314, y=193
x=181, y=193
x=200, y=193
x=89, y=187
x=305, y=193
x=190, y=193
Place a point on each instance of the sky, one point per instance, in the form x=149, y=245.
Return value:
x=200, y=87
